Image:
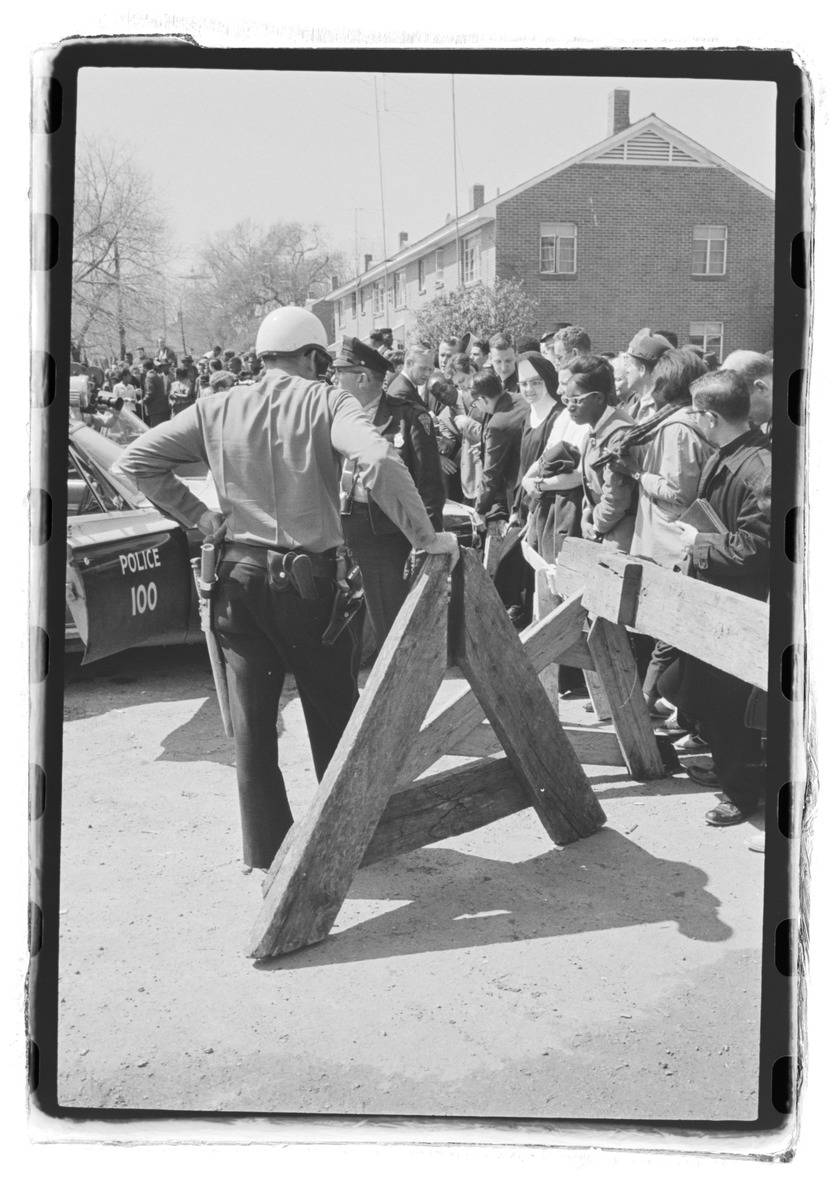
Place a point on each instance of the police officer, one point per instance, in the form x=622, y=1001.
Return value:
x=274, y=449
x=378, y=545
x=415, y=437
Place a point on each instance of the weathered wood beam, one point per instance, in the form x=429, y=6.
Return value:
x=445, y=805
x=594, y=746
x=521, y=714
x=718, y=626
x=546, y=642
x=619, y=677
x=312, y=872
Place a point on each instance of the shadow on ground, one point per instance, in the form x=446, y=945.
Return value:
x=456, y=900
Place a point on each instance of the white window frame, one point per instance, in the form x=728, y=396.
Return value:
x=700, y=332
x=362, y=301
x=354, y=304
x=339, y=316
x=399, y=289
x=471, y=254
x=421, y=275
x=556, y=231
x=439, y=268
x=705, y=234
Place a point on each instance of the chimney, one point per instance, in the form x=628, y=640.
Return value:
x=368, y=261
x=403, y=240
x=476, y=195
x=618, y=111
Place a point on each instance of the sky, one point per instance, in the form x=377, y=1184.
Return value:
x=223, y=146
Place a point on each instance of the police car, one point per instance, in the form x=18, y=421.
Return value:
x=129, y=581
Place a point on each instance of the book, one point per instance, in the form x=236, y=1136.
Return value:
x=703, y=517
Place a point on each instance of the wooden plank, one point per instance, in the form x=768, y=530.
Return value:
x=545, y=601
x=600, y=703
x=446, y=805
x=310, y=877
x=507, y=687
x=577, y=655
x=593, y=745
x=544, y=642
x=495, y=548
x=535, y=559
x=718, y=626
x=619, y=676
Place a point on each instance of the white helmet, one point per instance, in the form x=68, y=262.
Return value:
x=286, y=330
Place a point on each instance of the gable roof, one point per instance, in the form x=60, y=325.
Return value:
x=648, y=142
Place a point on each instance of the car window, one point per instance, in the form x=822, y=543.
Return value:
x=87, y=492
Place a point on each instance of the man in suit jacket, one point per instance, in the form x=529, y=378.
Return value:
x=415, y=440
x=502, y=422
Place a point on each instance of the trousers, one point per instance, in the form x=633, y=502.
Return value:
x=264, y=633
x=381, y=557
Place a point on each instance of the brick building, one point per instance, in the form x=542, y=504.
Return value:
x=645, y=228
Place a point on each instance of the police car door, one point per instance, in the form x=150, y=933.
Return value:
x=128, y=574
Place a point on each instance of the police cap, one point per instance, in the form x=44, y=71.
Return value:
x=355, y=353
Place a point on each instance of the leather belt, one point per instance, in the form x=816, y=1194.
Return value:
x=322, y=562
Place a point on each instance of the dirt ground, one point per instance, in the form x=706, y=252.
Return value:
x=489, y=975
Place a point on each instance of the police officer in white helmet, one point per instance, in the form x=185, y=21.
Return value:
x=274, y=449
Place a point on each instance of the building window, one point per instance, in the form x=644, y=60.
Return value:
x=353, y=306
x=438, y=268
x=362, y=295
x=708, y=250
x=558, y=248
x=339, y=312
x=379, y=298
x=708, y=335
x=399, y=289
x=470, y=258
x=421, y=274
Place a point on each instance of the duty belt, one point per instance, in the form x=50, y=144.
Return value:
x=321, y=562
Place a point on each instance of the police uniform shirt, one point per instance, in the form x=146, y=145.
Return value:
x=274, y=449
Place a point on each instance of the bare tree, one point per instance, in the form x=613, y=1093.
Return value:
x=119, y=249
x=246, y=271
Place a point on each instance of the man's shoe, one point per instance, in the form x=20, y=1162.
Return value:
x=706, y=776
x=726, y=813
x=692, y=743
x=672, y=724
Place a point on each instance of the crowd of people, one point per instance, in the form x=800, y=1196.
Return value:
x=546, y=438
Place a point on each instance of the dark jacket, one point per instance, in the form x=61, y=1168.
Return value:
x=733, y=481
x=411, y=430
x=501, y=436
x=155, y=396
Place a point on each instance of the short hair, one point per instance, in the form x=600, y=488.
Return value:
x=417, y=346
x=573, y=340
x=749, y=364
x=483, y=345
x=523, y=345
x=461, y=362
x=235, y=363
x=449, y=341
x=724, y=392
x=594, y=373
x=486, y=383
x=148, y=365
x=668, y=335
x=216, y=364
x=673, y=375
x=181, y=373
x=500, y=341
x=397, y=359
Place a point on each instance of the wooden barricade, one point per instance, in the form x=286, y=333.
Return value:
x=368, y=805
x=371, y=803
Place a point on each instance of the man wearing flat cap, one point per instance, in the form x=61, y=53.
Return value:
x=379, y=547
x=642, y=355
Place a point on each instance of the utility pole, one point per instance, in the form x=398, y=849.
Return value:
x=455, y=177
x=381, y=193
